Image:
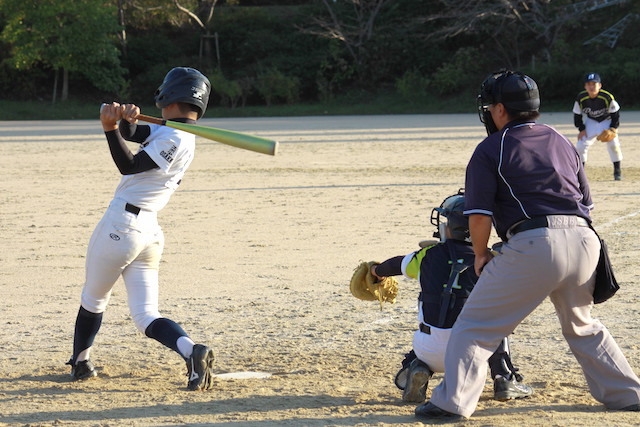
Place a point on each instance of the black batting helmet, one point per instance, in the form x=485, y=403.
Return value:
x=184, y=84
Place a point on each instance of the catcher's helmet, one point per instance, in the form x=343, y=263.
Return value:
x=513, y=89
x=184, y=84
x=452, y=209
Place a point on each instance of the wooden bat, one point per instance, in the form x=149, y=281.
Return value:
x=228, y=137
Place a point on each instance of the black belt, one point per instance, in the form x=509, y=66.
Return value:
x=131, y=208
x=426, y=329
x=541, y=222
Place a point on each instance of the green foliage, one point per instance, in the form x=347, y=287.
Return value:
x=76, y=35
x=273, y=85
x=229, y=91
x=412, y=85
x=461, y=72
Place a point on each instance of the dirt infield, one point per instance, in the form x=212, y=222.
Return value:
x=259, y=251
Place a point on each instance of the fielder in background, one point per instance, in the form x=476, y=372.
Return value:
x=527, y=180
x=446, y=275
x=128, y=241
x=601, y=115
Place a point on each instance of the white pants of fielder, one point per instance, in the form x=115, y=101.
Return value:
x=593, y=129
x=130, y=245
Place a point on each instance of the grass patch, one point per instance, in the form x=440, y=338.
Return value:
x=357, y=103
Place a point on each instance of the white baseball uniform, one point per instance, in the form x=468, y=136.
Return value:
x=597, y=112
x=128, y=240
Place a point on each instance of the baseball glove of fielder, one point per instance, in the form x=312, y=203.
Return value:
x=607, y=135
x=367, y=287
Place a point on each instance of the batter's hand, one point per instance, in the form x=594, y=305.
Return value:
x=109, y=116
x=582, y=134
x=481, y=261
x=130, y=112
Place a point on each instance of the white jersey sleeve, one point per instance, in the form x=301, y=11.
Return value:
x=576, y=108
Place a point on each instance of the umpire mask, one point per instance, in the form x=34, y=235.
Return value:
x=516, y=91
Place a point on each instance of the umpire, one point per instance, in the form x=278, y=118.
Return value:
x=528, y=181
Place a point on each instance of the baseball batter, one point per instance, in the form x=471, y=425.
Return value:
x=601, y=112
x=128, y=240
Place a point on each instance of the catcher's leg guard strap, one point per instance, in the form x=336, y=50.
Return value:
x=500, y=362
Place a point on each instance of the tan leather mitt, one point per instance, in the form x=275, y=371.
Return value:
x=607, y=135
x=367, y=287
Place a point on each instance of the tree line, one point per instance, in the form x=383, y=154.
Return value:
x=266, y=52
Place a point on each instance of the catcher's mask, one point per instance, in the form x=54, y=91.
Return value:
x=513, y=89
x=184, y=84
x=452, y=209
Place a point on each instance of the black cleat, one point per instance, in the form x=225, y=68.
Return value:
x=418, y=378
x=429, y=411
x=82, y=370
x=507, y=389
x=200, y=368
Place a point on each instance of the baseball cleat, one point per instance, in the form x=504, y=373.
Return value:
x=82, y=370
x=507, y=389
x=200, y=368
x=418, y=378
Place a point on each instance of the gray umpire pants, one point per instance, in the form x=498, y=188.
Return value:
x=534, y=264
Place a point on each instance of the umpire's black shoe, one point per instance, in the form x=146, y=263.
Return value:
x=200, y=368
x=507, y=389
x=82, y=370
x=429, y=411
x=418, y=377
x=635, y=408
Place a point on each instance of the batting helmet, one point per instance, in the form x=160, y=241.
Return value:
x=513, y=89
x=452, y=209
x=184, y=84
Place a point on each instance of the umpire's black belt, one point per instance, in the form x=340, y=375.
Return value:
x=550, y=221
x=131, y=208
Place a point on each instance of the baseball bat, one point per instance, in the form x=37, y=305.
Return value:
x=228, y=137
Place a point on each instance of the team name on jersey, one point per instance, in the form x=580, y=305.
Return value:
x=168, y=155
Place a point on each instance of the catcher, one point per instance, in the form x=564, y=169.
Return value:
x=446, y=274
x=602, y=118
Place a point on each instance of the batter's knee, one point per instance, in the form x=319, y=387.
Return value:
x=143, y=320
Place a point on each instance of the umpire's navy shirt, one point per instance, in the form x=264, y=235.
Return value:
x=525, y=170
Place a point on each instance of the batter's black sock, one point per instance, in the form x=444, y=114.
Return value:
x=87, y=327
x=616, y=167
x=166, y=332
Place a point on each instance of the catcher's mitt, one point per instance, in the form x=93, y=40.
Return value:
x=367, y=287
x=607, y=135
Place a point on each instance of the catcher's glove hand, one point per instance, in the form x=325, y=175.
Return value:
x=367, y=287
x=607, y=135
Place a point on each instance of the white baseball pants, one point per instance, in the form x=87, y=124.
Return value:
x=130, y=245
x=593, y=129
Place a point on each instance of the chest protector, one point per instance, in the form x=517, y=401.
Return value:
x=447, y=277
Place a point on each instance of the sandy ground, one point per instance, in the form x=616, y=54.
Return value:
x=259, y=252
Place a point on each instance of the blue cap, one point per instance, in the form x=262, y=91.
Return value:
x=592, y=77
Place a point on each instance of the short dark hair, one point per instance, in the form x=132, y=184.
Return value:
x=186, y=108
x=522, y=115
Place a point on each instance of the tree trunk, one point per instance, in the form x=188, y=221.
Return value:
x=65, y=85
x=55, y=86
